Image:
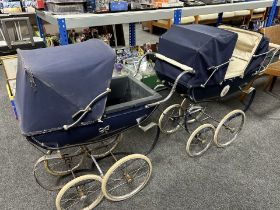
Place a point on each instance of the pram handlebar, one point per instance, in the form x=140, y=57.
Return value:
x=174, y=63
x=172, y=91
x=166, y=59
x=82, y=113
x=186, y=69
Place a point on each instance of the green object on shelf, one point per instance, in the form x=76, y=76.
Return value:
x=151, y=80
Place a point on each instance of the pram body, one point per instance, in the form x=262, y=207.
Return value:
x=125, y=104
x=47, y=100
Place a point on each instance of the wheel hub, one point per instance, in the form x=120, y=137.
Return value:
x=128, y=178
x=82, y=194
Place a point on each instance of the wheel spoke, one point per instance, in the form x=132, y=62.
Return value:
x=138, y=169
x=125, y=182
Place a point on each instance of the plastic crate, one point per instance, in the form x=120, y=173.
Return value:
x=66, y=8
x=118, y=6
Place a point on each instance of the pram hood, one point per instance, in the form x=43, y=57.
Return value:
x=199, y=47
x=55, y=83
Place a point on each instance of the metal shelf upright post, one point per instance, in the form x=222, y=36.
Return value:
x=272, y=13
x=177, y=16
x=63, y=35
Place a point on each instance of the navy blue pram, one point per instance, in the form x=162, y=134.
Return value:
x=70, y=106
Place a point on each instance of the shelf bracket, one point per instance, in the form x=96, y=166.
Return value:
x=132, y=35
x=177, y=16
x=63, y=36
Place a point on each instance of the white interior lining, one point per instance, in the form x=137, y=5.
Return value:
x=245, y=47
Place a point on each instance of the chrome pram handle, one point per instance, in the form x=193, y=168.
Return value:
x=174, y=63
x=166, y=59
x=84, y=111
x=172, y=91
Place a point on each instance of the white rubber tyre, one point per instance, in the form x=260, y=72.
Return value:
x=164, y=115
x=221, y=125
x=74, y=182
x=118, y=164
x=193, y=136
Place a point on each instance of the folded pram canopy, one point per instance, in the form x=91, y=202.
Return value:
x=55, y=83
x=200, y=47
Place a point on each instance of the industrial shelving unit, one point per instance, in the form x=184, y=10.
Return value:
x=65, y=22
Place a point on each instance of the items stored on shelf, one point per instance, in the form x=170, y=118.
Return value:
x=118, y=6
x=102, y=6
x=168, y=3
x=28, y=6
x=90, y=5
x=39, y=4
x=192, y=3
x=210, y=2
x=140, y=4
x=8, y=6
x=65, y=6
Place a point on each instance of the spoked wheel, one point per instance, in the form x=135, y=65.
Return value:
x=70, y=160
x=229, y=128
x=83, y=192
x=127, y=177
x=170, y=119
x=105, y=147
x=200, y=140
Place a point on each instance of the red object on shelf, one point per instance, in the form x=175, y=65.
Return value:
x=40, y=4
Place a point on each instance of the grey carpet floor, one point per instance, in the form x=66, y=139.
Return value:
x=244, y=175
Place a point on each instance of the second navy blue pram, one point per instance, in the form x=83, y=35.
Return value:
x=202, y=64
